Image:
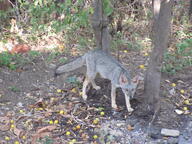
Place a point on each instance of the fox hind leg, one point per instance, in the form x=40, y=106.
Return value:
x=113, y=97
x=94, y=85
x=85, y=84
x=88, y=80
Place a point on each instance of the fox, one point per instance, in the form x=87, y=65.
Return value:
x=102, y=63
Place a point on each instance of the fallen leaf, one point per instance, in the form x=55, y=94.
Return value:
x=18, y=132
x=4, y=123
x=172, y=91
x=47, y=129
x=179, y=112
x=42, y=132
x=130, y=128
x=20, y=48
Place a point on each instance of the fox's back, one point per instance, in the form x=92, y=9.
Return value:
x=104, y=63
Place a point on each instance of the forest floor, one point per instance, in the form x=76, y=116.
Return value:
x=37, y=108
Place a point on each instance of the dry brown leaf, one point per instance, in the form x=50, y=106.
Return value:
x=20, y=48
x=46, y=129
x=39, y=103
x=42, y=132
x=4, y=123
x=18, y=132
x=47, y=114
x=130, y=128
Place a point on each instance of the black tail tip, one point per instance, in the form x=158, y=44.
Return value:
x=55, y=74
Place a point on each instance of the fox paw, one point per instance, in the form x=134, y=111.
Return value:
x=114, y=106
x=84, y=97
x=97, y=87
x=130, y=109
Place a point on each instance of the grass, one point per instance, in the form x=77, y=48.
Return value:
x=179, y=59
x=14, y=61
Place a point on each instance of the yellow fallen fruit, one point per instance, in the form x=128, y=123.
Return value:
x=102, y=113
x=50, y=122
x=146, y=54
x=21, y=111
x=96, y=121
x=78, y=127
x=16, y=142
x=80, y=93
x=173, y=85
x=61, y=112
x=95, y=137
x=68, y=133
x=186, y=102
x=11, y=121
x=12, y=126
x=23, y=137
x=182, y=91
x=141, y=66
x=59, y=90
x=125, y=51
x=73, y=140
x=74, y=90
x=40, y=109
x=185, y=108
x=7, y=138
x=56, y=121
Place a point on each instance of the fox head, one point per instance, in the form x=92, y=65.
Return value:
x=129, y=87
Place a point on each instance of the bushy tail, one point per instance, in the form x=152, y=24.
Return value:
x=71, y=66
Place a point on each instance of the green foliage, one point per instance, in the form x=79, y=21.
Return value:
x=179, y=59
x=56, y=15
x=62, y=60
x=119, y=41
x=107, y=6
x=73, y=80
x=33, y=54
x=5, y=59
x=46, y=140
x=52, y=56
x=14, y=89
x=14, y=61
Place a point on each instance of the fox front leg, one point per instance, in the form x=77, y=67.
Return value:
x=113, y=97
x=129, y=108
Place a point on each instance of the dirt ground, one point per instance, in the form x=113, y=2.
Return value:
x=32, y=96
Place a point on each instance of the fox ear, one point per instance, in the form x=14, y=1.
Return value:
x=122, y=79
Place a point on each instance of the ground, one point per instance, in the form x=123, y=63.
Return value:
x=36, y=107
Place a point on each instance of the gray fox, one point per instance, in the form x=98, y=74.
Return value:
x=98, y=61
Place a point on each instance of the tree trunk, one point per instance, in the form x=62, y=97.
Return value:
x=190, y=11
x=161, y=30
x=100, y=23
x=4, y=5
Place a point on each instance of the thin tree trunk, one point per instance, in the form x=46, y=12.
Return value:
x=190, y=11
x=99, y=24
x=161, y=30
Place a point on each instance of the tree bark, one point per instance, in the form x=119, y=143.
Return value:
x=4, y=5
x=99, y=24
x=190, y=11
x=161, y=30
